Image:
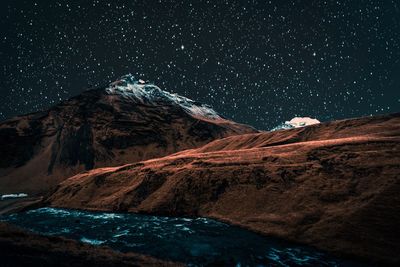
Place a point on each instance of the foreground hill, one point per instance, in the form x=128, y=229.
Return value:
x=333, y=185
x=19, y=248
x=126, y=122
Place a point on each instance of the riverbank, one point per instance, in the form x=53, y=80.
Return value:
x=19, y=204
x=22, y=248
x=192, y=241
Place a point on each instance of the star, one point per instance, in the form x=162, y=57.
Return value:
x=260, y=63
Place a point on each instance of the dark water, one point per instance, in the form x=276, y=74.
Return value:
x=197, y=242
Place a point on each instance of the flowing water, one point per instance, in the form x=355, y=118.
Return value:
x=195, y=241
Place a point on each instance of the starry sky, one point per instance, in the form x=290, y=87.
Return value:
x=256, y=62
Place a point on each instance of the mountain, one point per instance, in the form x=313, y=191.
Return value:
x=333, y=185
x=128, y=121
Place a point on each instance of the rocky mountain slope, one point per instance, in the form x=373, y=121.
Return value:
x=128, y=121
x=333, y=185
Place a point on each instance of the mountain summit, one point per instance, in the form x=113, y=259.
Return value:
x=128, y=121
x=147, y=93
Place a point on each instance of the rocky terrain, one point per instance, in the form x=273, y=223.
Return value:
x=126, y=122
x=20, y=248
x=332, y=185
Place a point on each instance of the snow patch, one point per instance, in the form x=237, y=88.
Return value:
x=302, y=121
x=147, y=93
x=10, y=196
x=296, y=122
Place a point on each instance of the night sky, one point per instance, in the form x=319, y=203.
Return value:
x=256, y=62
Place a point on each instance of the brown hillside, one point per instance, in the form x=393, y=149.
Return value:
x=334, y=185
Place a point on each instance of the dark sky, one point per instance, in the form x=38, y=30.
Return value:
x=257, y=62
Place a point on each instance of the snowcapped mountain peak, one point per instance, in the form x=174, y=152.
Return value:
x=147, y=93
x=296, y=122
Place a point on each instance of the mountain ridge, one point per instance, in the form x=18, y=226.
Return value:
x=98, y=128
